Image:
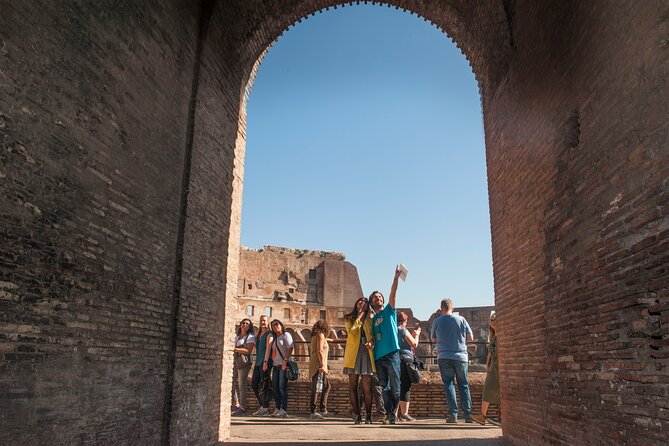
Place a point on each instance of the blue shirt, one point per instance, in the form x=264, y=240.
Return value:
x=451, y=333
x=261, y=346
x=385, y=332
x=405, y=348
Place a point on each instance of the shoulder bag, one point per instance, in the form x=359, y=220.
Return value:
x=292, y=370
x=242, y=359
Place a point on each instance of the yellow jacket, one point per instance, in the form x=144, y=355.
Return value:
x=353, y=342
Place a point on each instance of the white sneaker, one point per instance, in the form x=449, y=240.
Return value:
x=283, y=414
x=316, y=416
x=260, y=412
x=276, y=413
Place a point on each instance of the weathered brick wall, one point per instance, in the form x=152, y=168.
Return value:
x=95, y=218
x=93, y=111
x=427, y=400
x=580, y=229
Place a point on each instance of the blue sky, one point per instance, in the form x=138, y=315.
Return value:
x=364, y=136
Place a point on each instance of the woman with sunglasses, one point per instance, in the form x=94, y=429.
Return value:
x=280, y=352
x=244, y=342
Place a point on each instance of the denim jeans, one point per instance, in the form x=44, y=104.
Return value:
x=280, y=387
x=452, y=368
x=388, y=372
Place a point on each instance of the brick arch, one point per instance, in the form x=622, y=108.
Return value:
x=532, y=123
x=486, y=47
x=451, y=19
x=123, y=150
x=245, y=40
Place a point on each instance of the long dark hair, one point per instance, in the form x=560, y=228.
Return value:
x=321, y=326
x=353, y=315
x=276, y=321
x=249, y=331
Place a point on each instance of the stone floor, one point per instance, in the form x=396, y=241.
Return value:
x=430, y=432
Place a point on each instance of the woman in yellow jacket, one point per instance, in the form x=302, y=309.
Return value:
x=359, y=357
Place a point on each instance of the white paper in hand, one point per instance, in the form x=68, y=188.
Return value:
x=403, y=272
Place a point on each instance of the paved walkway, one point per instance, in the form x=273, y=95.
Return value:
x=429, y=432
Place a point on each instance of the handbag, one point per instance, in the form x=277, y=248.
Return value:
x=292, y=369
x=241, y=359
x=412, y=369
x=265, y=390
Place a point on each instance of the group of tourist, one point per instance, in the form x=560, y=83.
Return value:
x=379, y=358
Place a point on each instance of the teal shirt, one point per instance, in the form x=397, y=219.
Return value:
x=385, y=332
x=261, y=345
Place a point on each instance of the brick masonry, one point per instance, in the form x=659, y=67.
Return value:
x=122, y=132
x=427, y=400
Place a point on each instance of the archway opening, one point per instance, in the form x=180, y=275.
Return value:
x=387, y=138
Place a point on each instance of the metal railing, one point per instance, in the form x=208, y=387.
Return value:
x=301, y=350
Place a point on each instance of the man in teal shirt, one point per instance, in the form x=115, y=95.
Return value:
x=386, y=347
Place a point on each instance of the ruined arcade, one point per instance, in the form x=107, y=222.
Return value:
x=122, y=140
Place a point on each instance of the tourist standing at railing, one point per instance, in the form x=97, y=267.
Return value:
x=451, y=332
x=263, y=340
x=491, y=386
x=408, y=342
x=386, y=347
x=280, y=351
x=244, y=342
x=318, y=368
x=359, y=357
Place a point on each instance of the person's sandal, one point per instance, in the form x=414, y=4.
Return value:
x=358, y=419
x=368, y=419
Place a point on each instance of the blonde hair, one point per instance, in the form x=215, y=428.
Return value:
x=492, y=332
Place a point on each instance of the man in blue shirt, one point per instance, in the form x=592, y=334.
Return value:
x=386, y=347
x=450, y=333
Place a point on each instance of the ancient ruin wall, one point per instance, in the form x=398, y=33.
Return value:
x=292, y=273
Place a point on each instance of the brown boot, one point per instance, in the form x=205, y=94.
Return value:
x=480, y=419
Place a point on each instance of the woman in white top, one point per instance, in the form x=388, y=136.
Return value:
x=279, y=353
x=244, y=342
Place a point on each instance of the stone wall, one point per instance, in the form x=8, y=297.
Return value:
x=288, y=274
x=296, y=286
x=122, y=133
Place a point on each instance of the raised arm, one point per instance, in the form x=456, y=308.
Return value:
x=392, y=299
